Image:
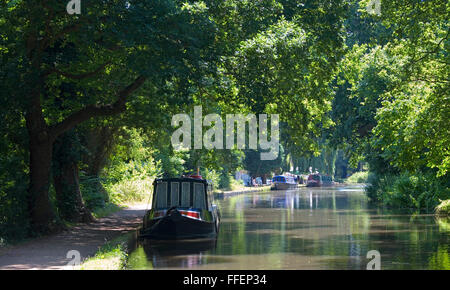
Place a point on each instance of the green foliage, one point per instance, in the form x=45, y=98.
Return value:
x=111, y=256
x=258, y=167
x=414, y=191
x=358, y=177
x=444, y=208
x=132, y=157
x=225, y=180
x=14, y=222
x=131, y=169
x=134, y=190
x=285, y=69
x=212, y=176
x=412, y=129
x=172, y=162
x=93, y=196
x=106, y=210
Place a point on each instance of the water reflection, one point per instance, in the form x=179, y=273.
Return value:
x=186, y=254
x=319, y=228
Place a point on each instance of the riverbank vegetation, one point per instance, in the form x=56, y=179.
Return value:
x=358, y=177
x=443, y=209
x=88, y=99
x=111, y=256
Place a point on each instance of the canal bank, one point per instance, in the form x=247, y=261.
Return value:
x=221, y=193
x=83, y=241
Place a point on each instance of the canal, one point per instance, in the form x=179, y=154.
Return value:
x=321, y=228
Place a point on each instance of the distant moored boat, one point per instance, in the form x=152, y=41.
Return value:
x=317, y=179
x=282, y=182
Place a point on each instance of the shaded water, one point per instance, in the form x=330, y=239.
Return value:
x=321, y=228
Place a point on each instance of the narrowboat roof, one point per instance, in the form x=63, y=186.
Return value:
x=181, y=179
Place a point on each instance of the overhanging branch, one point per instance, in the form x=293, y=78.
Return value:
x=81, y=76
x=91, y=111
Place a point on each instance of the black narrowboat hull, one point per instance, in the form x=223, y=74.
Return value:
x=178, y=227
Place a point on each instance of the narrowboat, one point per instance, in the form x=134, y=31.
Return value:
x=317, y=179
x=182, y=208
x=283, y=182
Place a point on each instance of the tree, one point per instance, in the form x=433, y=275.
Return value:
x=287, y=70
x=102, y=57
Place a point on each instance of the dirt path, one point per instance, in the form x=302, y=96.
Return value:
x=50, y=252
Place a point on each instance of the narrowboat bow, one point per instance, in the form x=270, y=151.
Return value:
x=182, y=208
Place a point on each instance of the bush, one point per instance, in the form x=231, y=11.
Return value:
x=358, y=177
x=133, y=190
x=14, y=216
x=414, y=191
x=212, y=176
x=443, y=208
x=94, y=194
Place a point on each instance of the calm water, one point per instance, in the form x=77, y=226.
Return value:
x=324, y=228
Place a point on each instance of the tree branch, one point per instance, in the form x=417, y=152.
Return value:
x=91, y=111
x=80, y=76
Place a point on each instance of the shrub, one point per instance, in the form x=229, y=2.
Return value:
x=132, y=190
x=94, y=194
x=14, y=216
x=443, y=208
x=212, y=176
x=358, y=177
x=414, y=191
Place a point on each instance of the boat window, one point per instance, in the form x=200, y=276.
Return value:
x=186, y=194
x=174, y=194
x=199, y=196
x=161, y=195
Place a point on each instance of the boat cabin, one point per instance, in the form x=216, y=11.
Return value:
x=180, y=208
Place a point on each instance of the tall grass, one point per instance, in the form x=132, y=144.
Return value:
x=130, y=190
x=111, y=256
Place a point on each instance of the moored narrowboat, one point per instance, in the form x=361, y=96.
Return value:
x=283, y=182
x=182, y=208
x=317, y=179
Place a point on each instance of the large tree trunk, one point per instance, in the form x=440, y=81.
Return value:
x=41, y=145
x=42, y=216
x=66, y=181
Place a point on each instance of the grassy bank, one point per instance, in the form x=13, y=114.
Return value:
x=111, y=256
